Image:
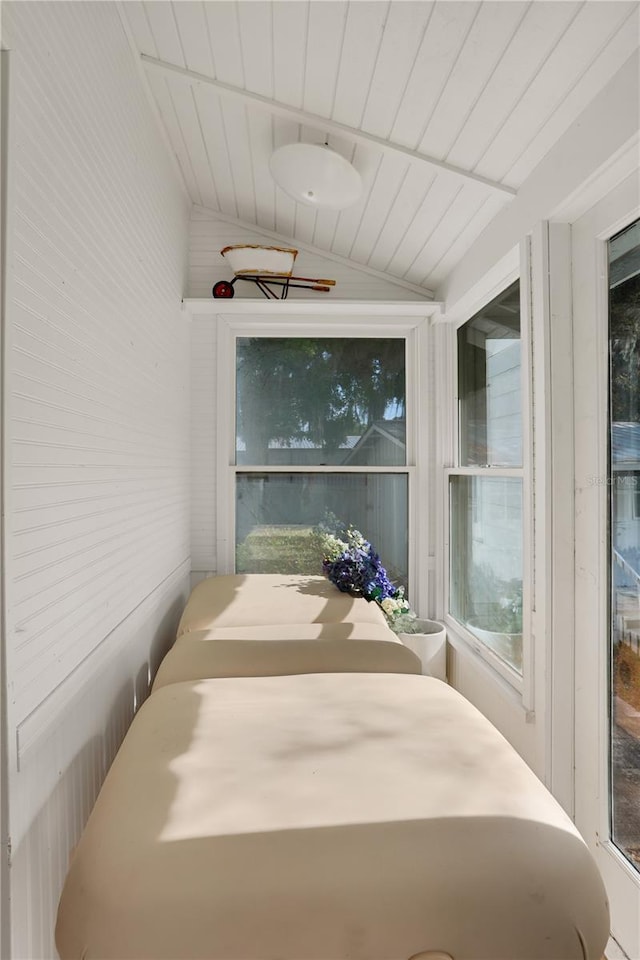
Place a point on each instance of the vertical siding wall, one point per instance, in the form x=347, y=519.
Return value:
x=97, y=428
x=209, y=235
x=203, y=447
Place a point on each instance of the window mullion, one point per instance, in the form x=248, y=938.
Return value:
x=485, y=471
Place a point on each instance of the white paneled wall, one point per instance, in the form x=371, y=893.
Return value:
x=209, y=235
x=66, y=748
x=203, y=446
x=97, y=485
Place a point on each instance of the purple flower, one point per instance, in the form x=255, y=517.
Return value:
x=358, y=570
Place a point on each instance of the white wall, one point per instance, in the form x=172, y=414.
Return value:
x=210, y=233
x=204, y=430
x=97, y=436
x=598, y=150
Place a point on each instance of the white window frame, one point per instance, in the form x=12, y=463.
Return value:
x=282, y=323
x=523, y=685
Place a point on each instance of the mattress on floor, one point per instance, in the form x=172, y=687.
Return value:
x=265, y=651
x=254, y=599
x=325, y=817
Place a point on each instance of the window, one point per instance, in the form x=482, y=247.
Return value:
x=320, y=439
x=486, y=487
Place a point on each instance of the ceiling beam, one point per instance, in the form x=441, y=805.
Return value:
x=323, y=123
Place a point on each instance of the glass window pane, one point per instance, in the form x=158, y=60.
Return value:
x=624, y=479
x=276, y=514
x=310, y=401
x=489, y=384
x=486, y=561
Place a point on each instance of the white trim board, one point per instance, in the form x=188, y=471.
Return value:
x=37, y=725
x=6, y=124
x=326, y=311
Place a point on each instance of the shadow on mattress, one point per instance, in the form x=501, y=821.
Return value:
x=255, y=599
x=372, y=817
x=331, y=651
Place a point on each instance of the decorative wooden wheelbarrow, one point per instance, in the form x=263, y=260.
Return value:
x=267, y=267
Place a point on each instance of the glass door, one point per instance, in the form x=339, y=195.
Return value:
x=624, y=540
x=606, y=378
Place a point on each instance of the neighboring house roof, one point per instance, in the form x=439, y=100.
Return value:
x=393, y=431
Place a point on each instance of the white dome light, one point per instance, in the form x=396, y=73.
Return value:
x=316, y=175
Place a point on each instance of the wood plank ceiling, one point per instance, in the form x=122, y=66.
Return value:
x=487, y=87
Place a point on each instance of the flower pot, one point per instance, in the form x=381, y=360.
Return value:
x=430, y=645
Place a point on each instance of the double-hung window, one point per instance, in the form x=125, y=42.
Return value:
x=486, y=516
x=321, y=439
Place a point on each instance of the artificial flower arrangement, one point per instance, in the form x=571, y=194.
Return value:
x=354, y=567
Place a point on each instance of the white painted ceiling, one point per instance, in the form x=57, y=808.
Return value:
x=481, y=88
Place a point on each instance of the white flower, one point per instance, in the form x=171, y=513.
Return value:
x=333, y=547
x=355, y=538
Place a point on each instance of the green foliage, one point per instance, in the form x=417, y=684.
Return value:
x=624, y=327
x=494, y=604
x=320, y=389
x=280, y=549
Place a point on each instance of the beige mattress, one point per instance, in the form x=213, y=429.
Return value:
x=325, y=817
x=256, y=599
x=289, y=649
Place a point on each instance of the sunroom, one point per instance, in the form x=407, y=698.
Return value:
x=459, y=379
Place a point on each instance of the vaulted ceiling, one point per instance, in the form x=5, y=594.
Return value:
x=444, y=108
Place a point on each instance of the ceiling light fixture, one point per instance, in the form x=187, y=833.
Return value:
x=314, y=174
